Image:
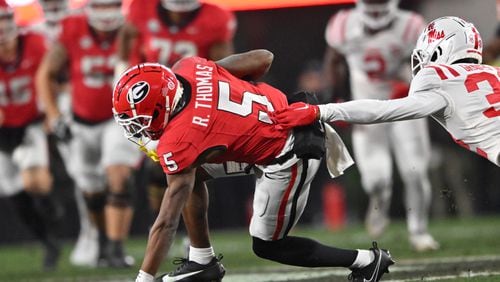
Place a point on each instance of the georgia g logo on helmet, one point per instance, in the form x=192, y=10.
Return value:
x=138, y=92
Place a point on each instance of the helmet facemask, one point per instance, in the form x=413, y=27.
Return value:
x=180, y=6
x=377, y=16
x=54, y=10
x=105, y=15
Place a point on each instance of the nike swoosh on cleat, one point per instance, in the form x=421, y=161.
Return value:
x=179, y=277
x=377, y=268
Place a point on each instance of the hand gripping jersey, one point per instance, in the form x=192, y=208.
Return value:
x=472, y=116
x=167, y=44
x=17, y=87
x=91, y=69
x=223, y=111
x=374, y=60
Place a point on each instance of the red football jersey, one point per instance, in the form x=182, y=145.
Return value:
x=167, y=44
x=91, y=63
x=223, y=111
x=17, y=86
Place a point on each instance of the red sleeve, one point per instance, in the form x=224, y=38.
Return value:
x=227, y=26
x=175, y=158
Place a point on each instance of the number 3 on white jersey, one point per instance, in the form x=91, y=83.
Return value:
x=246, y=107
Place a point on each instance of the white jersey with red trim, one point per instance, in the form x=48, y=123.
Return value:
x=374, y=60
x=472, y=116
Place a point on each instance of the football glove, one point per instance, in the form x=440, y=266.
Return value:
x=296, y=114
x=61, y=130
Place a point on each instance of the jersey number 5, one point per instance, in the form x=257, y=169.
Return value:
x=244, y=108
x=472, y=84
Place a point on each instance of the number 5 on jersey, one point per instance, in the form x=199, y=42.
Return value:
x=169, y=163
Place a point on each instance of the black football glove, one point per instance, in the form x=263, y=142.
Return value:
x=61, y=130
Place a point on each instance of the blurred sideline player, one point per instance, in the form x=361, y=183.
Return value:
x=197, y=116
x=375, y=40
x=450, y=84
x=101, y=163
x=164, y=31
x=85, y=251
x=24, y=172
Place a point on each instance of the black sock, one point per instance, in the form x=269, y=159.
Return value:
x=47, y=206
x=25, y=207
x=305, y=252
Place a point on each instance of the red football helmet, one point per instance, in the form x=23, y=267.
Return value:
x=144, y=98
x=8, y=27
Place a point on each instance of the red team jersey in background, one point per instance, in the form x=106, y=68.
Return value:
x=91, y=69
x=17, y=87
x=166, y=44
x=223, y=111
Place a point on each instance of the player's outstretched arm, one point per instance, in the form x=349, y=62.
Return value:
x=363, y=111
x=163, y=231
x=250, y=65
x=52, y=64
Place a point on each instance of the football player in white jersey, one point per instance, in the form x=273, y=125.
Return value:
x=450, y=84
x=375, y=40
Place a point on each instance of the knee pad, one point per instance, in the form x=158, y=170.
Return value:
x=119, y=200
x=95, y=202
x=265, y=249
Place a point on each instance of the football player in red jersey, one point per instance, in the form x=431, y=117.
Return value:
x=85, y=251
x=23, y=144
x=206, y=113
x=164, y=31
x=101, y=163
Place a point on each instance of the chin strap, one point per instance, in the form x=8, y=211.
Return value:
x=151, y=153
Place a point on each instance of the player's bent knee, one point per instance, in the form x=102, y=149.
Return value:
x=265, y=249
x=95, y=202
x=119, y=200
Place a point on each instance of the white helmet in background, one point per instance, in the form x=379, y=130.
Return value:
x=105, y=15
x=54, y=10
x=8, y=27
x=376, y=14
x=445, y=41
x=180, y=5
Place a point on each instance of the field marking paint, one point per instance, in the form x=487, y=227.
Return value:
x=279, y=274
x=444, y=277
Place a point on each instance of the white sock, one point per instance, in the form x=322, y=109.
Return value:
x=201, y=255
x=364, y=258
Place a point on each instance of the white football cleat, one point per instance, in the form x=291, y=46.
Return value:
x=423, y=242
x=86, y=250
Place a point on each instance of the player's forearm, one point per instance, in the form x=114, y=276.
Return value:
x=250, y=65
x=377, y=111
x=46, y=92
x=163, y=230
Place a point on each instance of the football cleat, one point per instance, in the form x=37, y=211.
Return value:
x=374, y=271
x=423, y=242
x=190, y=271
x=51, y=255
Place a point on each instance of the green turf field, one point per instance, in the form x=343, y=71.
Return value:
x=470, y=251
